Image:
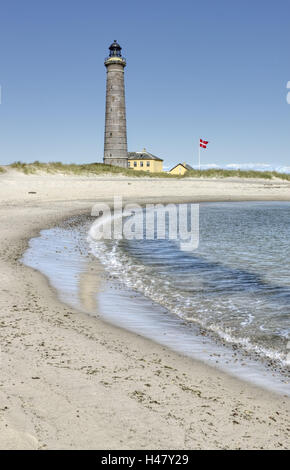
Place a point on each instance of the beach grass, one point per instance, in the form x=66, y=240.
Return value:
x=82, y=169
x=102, y=169
x=2, y=169
x=221, y=173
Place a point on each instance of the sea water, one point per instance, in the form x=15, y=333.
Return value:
x=226, y=302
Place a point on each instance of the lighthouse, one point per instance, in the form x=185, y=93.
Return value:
x=115, y=146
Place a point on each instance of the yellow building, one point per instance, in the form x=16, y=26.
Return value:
x=145, y=161
x=180, y=169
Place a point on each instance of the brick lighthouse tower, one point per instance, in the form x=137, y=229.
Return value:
x=115, y=148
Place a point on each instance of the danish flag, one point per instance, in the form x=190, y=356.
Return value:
x=203, y=143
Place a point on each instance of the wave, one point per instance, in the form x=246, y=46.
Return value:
x=211, y=316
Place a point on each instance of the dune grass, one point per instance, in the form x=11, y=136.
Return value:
x=87, y=169
x=81, y=169
x=221, y=173
x=2, y=169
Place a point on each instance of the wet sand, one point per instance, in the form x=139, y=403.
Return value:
x=71, y=381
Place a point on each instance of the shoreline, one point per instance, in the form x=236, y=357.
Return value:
x=82, y=281
x=73, y=381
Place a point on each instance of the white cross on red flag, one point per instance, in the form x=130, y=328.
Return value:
x=203, y=143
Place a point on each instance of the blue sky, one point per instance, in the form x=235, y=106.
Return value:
x=212, y=69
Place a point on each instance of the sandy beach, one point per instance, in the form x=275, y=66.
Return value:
x=72, y=381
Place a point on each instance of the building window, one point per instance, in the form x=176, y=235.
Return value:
x=135, y=163
x=147, y=163
x=141, y=163
x=129, y=164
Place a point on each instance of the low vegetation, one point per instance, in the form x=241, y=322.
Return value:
x=2, y=169
x=101, y=169
x=220, y=173
x=82, y=169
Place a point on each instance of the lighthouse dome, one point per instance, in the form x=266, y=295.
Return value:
x=115, y=49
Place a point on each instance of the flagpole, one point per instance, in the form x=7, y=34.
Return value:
x=199, y=155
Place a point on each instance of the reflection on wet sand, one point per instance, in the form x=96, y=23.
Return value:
x=91, y=282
